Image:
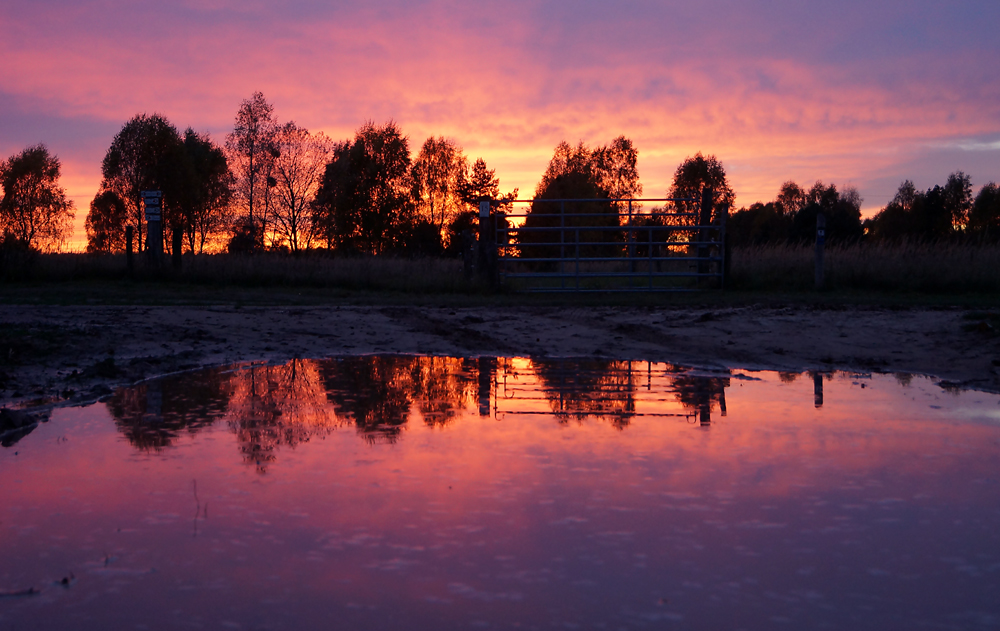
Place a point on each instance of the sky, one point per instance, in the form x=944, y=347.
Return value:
x=856, y=92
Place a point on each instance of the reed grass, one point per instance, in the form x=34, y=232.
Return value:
x=943, y=268
x=928, y=268
x=419, y=275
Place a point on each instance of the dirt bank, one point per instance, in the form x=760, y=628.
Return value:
x=77, y=353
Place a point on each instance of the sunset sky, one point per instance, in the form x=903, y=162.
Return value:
x=853, y=92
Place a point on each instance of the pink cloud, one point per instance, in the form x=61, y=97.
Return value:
x=786, y=93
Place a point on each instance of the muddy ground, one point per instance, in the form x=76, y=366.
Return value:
x=73, y=354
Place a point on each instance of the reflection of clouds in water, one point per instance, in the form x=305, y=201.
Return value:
x=976, y=414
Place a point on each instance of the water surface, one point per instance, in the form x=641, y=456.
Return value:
x=432, y=493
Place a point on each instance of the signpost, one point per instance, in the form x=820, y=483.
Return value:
x=154, y=226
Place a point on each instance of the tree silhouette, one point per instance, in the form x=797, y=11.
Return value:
x=479, y=182
x=437, y=175
x=298, y=170
x=34, y=208
x=144, y=155
x=957, y=199
x=567, y=224
x=696, y=174
x=791, y=199
x=580, y=173
x=105, y=223
x=364, y=203
x=984, y=218
x=476, y=183
x=894, y=222
x=615, y=166
x=759, y=224
x=204, y=190
x=692, y=177
x=250, y=150
x=842, y=211
x=938, y=213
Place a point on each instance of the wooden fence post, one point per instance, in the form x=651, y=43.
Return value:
x=817, y=389
x=176, y=247
x=468, y=253
x=129, y=262
x=820, y=244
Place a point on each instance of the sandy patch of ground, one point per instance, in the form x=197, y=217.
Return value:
x=78, y=353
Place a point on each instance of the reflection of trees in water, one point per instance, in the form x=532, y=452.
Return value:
x=607, y=390
x=787, y=377
x=274, y=406
x=377, y=392
x=578, y=389
x=443, y=386
x=154, y=414
x=268, y=406
x=701, y=394
x=265, y=406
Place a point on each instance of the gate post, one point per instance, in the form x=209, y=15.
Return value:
x=487, y=245
x=704, y=219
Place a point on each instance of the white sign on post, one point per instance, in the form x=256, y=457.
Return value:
x=151, y=199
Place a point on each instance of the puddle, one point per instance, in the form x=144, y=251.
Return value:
x=389, y=492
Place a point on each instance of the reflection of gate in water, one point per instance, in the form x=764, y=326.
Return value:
x=614, y=391
x=587, y=245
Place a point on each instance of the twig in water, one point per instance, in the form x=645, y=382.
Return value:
x=31, y=591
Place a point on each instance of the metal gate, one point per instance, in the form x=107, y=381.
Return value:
x=611, y=245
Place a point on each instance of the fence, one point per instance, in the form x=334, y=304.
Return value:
x=610, y=245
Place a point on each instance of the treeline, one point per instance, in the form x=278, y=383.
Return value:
x=278, y=186
x=34, y=211
x=945, y=212
x=273, y=186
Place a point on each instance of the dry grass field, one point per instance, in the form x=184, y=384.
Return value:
x=932, y=268
x=937, y=268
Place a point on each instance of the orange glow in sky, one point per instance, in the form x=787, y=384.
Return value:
x=849, y=93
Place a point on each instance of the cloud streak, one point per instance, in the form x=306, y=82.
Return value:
x=778, y=90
